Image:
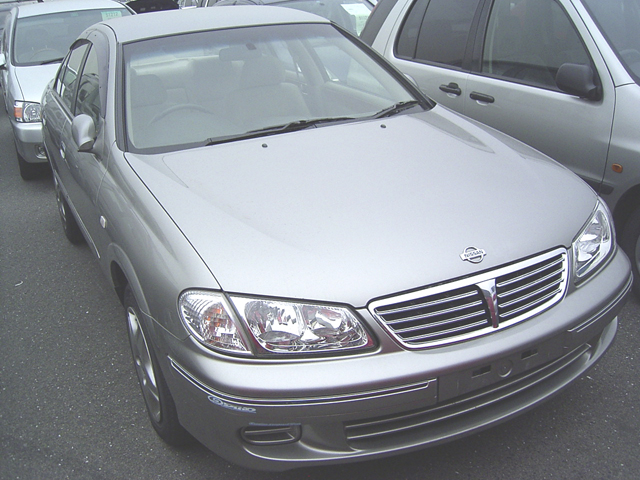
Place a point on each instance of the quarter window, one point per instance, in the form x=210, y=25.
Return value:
x=527, y=41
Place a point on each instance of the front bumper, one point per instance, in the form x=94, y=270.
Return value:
x=28, y=140
x=277, y=415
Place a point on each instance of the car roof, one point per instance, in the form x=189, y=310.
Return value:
x=171, y=22
x=41, y=8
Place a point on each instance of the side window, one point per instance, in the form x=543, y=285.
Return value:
x=88, y=100
x=528, y=40
x=437, y=31
x=66, y=86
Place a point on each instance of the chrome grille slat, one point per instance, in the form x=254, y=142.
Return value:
x=528, y=285
x=530, y=295
x=529, y=274
x=528, y=306
x=427, y=304
x=446, y=332
x=458, y=310
x=436, y=313
x=441, y=323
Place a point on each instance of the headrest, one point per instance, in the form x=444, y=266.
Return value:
x=262, y=71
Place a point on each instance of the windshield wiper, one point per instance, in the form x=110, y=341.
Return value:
x=397, y=108
x=284, y=128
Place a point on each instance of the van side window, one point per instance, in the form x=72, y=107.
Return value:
x=528, y=40
x=437, y=31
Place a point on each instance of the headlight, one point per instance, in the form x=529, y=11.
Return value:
x=27, y=112
x=276, y=326
x=207, y=315
x=288, y=327
x=594, y=244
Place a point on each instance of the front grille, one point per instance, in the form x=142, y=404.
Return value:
x=475, y=306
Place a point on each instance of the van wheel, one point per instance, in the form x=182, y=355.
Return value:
x=157, y=398
x=630, y=243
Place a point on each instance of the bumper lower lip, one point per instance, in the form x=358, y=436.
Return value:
x=329, y=425
x=28, y=140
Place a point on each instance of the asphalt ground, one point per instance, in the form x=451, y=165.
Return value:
x=71, y=408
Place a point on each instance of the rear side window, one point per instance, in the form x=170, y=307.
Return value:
x=437, y=31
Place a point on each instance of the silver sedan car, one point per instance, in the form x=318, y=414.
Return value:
x=36, y=39
x=318, y=264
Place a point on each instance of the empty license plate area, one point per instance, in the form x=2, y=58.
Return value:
x=503, y=369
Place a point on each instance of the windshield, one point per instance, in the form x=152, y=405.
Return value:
x=619, y=21
x=219, y=86
x=46, y=38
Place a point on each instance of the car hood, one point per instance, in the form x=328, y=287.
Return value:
x=347, y=213
x=33, y=80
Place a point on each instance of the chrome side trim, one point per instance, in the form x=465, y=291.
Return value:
x=289, y=402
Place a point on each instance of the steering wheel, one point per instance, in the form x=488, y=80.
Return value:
x=45, y=54
x=176, y=108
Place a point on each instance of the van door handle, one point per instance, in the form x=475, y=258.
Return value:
x=481, y=97
x=451, y=89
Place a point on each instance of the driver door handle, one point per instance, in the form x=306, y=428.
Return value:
x=451, y=89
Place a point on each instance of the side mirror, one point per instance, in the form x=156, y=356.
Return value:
x=83, y=131
x=580, y=80
x=3, y=61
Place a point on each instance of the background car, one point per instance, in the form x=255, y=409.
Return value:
x=5, y=7
x=349, y=14
x=318, y=264
x=34, y=42
x=560, y=75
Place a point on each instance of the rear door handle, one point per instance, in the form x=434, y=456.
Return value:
x=451, y=89
x=481, y=97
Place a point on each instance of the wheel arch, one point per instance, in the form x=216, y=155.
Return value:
x=625, y=207
x=122, y=274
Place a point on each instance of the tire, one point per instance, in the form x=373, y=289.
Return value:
x=157, y=397
x=69, y=224
x=630, y=243
x=28, y=171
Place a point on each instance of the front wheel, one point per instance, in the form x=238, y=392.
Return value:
x=157, y=398
x=28, y=171
x=630, y=243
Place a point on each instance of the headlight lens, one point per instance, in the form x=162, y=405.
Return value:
x=288, y=327
x=207, y=315
x=27, y=112
x=277, y=326
x=594, y=244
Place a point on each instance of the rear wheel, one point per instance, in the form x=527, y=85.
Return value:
x=630, y=243
x=160, y=405
x=69, y=224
